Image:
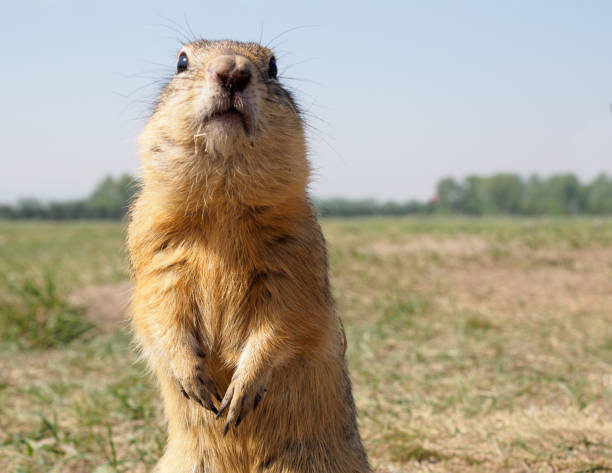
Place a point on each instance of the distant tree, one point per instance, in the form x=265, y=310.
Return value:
x=563, y=195
x=110, y=199
x=7, y=212
x=474, y=196
x=534, y=195
x=30, y=208
x=339, y=207
x=597, y=195
x=450, y=194
x=504, y=194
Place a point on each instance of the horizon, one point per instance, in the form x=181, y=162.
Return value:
x=433, y=195
x=435, y=91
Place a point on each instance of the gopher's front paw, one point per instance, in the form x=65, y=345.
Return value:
x=242, y=396
x=196, y=384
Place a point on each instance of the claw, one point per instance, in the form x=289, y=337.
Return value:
x=256, y=401
x=207, y=405
x=210, y=386
x=225, y=403
x=239, y=400
x=182, y=388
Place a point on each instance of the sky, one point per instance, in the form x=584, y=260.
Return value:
x=397, y=94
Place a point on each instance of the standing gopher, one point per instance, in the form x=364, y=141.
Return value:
x=232, y=307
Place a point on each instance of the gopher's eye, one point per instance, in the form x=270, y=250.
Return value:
x=182, y=63
x=272, y=69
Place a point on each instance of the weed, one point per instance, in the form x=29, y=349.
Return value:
x=477, y=325
x=34, y=316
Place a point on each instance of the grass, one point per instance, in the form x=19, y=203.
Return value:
x=33, y=316
x=77, y=254
x=474, y=346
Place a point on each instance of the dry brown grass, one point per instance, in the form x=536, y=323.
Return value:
x=474, y=346
x=479, y=352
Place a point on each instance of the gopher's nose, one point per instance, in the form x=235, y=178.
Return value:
x=231, y=72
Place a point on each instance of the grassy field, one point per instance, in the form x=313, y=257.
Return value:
x=474, y=346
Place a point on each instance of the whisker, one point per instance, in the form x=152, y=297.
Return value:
x=193, y=35
x=295, y=28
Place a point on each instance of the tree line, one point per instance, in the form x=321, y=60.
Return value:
x=498, y=194
x=109, y=200
x=509, y=194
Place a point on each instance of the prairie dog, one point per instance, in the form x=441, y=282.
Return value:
x=232, y=307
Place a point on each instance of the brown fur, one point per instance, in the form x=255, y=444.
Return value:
x=232, y=297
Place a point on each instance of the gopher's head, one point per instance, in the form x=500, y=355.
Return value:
x=224, y=119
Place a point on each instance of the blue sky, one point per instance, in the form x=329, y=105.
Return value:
x=398, y=94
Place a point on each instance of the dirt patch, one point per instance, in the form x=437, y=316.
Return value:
x=530, y=281
x=106, y=305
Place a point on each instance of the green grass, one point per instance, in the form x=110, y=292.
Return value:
x=474, y=345
x=33, y=316
x=77, y=254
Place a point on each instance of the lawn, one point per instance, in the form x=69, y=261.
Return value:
x=474, y=346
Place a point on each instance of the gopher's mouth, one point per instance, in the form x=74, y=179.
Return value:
x=228, y=117
x=237, y=114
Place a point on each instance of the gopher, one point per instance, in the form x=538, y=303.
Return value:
x=232, y=306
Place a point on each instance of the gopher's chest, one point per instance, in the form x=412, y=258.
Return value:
x=225, y=299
